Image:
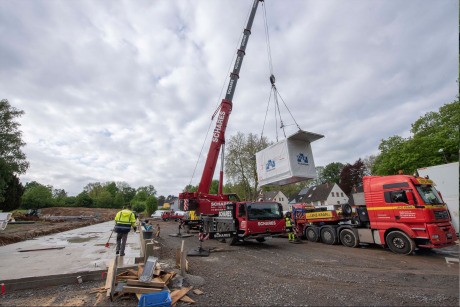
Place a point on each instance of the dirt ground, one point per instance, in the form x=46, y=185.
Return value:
x=20, y=232
x=278, y=273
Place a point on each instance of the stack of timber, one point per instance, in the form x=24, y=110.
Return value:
x=149, y=278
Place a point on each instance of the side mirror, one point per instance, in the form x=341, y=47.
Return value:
x=410, y=197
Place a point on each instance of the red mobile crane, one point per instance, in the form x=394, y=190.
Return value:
x=223, y=215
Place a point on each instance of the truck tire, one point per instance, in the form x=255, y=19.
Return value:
x=311, y=235
x=328, y=236
x=348, y=238
x=400, y=243
x=260, y=240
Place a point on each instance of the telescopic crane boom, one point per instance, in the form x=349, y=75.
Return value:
x=218, y=136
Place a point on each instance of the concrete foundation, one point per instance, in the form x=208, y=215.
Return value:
x=84, y=254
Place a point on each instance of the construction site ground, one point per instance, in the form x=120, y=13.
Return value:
x=20, y=232
x=279, y=273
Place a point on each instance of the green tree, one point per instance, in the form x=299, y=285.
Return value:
x=128, y=192
x=214, y=189
x=83, y=200
x=190, y=188
x=103, y=200
x=37, y=197
x=11, y=139
x=240, y=166
x=431, y=132
x=111, y=187
x=151, y=205
x=13, y=193
x=13, y=161
x=119, y=200
x=331, y=172
x=147, y=190
x=30, y=185
x=59, y=197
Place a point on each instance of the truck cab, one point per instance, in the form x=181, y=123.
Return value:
x=407, y=206
x=241, y=221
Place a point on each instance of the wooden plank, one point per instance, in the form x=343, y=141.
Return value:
x=198, y=292
x=182, y=260
x=176, y=296
x=126, y=278
x=139, y=271
x=149, y=284
x=187, y=300
x=132, y=272
x=108, y=280
x=140, y=290
x=114, y=273
x=178, y=257
x=138, y=295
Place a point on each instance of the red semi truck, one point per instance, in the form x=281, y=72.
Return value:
x=401, y=212
x=224, y=215
x=171, y=215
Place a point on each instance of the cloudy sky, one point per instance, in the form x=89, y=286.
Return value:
x=125, y=90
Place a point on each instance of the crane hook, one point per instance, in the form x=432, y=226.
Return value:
x=272, y=79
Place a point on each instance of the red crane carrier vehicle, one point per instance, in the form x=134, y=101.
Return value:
x=224, y=215
x=401, y=212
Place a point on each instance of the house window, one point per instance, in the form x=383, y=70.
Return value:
x=332, y=194
x=341, y=194
x=338, y=202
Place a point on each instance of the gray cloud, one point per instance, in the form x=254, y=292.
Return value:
x=125, y=90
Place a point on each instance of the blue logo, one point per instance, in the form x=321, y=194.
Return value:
x=302, y=159
x=269, y=164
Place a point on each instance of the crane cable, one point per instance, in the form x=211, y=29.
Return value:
x=273, y=89
x=218, y=100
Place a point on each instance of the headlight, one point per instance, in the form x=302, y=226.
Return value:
x=435, y=236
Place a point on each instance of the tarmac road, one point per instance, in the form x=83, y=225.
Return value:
x=279, y=273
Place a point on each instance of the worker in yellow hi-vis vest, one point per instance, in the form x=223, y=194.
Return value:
x=124, y=220
x=289, y=227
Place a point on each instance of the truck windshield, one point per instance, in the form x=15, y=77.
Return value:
x=429, y=194
x=264, y=211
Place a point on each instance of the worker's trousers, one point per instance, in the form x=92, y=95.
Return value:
x=291, y=236
x=121, y=242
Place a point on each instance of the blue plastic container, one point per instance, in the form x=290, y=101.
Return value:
x=159, y=299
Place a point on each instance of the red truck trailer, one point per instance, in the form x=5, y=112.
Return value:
x=401, y=212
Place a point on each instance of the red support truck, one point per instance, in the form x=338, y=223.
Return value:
x=224, y=215
x=401, y=212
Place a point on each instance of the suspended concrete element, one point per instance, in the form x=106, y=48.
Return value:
x=288, y=161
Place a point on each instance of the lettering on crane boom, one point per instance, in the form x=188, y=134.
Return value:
x=218, y=128
x=318, y=215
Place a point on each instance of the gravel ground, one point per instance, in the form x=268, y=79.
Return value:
x=278, y=273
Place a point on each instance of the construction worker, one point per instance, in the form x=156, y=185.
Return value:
x=289, y=227
x=123, y=222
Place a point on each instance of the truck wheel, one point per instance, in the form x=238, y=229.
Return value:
x=400, y=243
x=311, y=235
x=328, y=236
x=348, y=238
x=164, y=220
x=260, y=240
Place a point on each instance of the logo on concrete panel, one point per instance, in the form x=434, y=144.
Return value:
x=270, y=165
x=302, y=159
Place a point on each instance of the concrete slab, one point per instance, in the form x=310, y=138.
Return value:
x=84, y=251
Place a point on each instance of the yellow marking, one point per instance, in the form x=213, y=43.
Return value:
x=318, y=215
x=424, y=181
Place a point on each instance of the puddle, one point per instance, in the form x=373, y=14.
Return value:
x=80, y=240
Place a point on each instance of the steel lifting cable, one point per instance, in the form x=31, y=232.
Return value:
x=218, y=100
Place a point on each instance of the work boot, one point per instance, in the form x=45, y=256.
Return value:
x=117, y=252
x=122, y=254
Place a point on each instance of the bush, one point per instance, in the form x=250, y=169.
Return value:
x=138, y=206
